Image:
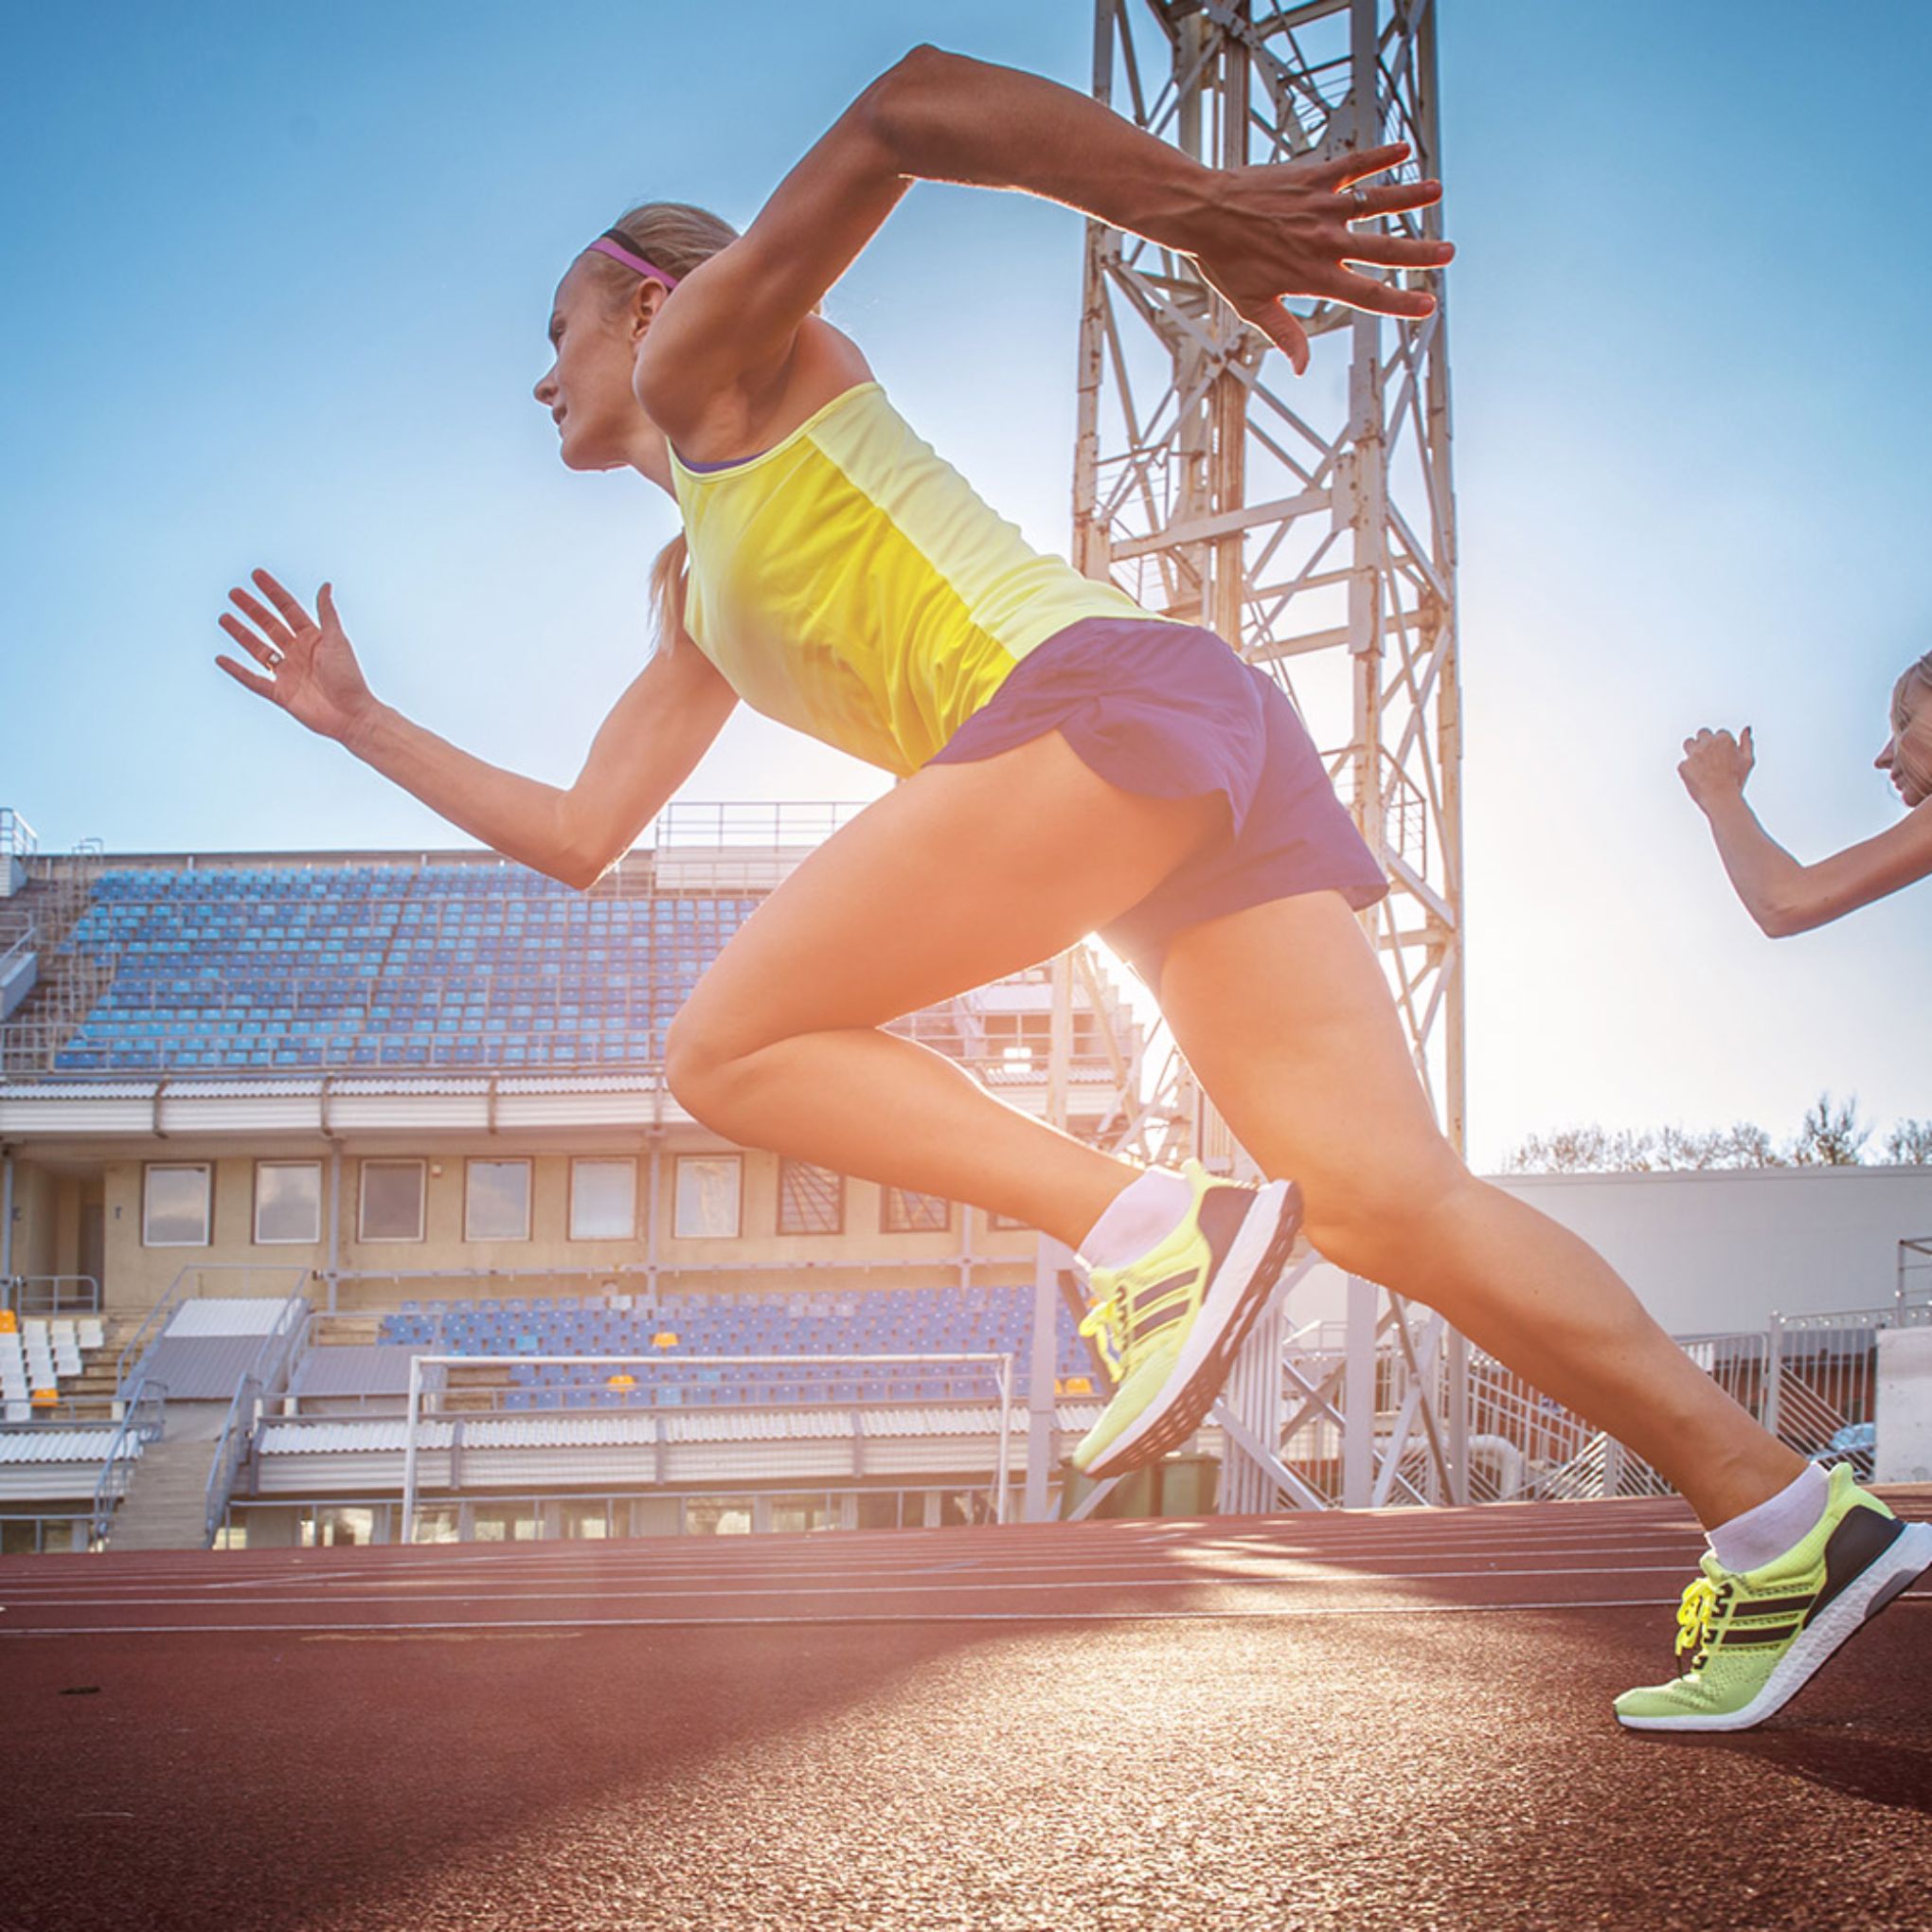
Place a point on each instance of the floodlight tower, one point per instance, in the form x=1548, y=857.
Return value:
x=1309, y=521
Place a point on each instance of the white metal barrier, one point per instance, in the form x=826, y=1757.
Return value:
x=819, y=1366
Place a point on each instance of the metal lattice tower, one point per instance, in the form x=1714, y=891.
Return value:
x=1309, y=521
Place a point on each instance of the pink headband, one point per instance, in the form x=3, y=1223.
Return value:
x=606, y=245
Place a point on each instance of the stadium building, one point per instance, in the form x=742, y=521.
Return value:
x=273, y=1126
x=343, y=1189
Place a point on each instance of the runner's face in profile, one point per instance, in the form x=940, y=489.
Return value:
x=1907, y=755
x=587, y=387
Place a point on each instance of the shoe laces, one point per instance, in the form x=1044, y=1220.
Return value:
x=1104, y=1322
x=1702, y=1604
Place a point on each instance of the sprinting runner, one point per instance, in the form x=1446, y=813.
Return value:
x=1070, y=762
x=1783, y=895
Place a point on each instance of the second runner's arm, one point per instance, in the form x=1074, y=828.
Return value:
x=1784, y=895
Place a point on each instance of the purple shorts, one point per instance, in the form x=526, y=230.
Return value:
x=1170, y=711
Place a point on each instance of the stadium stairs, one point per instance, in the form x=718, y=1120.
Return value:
x=92, y=1392
x=166, y=1505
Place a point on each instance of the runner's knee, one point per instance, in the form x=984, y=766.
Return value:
x=699, y=1068
x=1390, y=1223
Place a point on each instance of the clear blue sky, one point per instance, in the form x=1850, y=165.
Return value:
x=276, y=282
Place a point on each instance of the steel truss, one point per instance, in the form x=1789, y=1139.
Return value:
x=1311, y=523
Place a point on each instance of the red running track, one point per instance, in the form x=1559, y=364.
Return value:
x=1396, y=1720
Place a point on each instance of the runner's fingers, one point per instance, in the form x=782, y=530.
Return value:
x=1346, y=169
x=1397, y=251
x=1280, y=324
x=265, y=620
x=1394, y=198
x=265, y=655
x=1377, y=297
x=260, y=686
x=297, y=619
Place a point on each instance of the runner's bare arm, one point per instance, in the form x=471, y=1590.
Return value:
x=1258, y=233
x=644, y=750
x=1782, y=893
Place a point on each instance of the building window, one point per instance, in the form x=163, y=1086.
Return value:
x=811, y=1199
x=497, y=1200
x=603, y=1200
x=902, y=1211
x=710, y=1190
x=174, y=1205
x=1006, y=1222
x=391, y=1208
x=288, y=1201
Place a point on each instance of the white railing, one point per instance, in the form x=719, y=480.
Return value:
x=263, y=1380
x=18, y=839
x=144, y=1421
x=50, y=1295
x=1001, y=1364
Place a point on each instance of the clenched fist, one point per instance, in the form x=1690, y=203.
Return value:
x=1716, y=765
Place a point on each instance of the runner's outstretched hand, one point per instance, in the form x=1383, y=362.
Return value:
x=1716, y=765
x=1285, y=230
x=313, y=671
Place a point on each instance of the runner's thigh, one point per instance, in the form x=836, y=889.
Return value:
x=959, y=875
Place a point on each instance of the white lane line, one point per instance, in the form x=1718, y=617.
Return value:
x=954, y=1588
x=384, y=1576
x=993, y=1576
x=923, y=1617
x=375, y=1631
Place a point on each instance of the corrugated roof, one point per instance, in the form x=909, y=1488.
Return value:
x=44, y=1443
x=200, y=1368
x=223, y=1314
x=355, y=1368
x=266, y=1087
x=284, y=1439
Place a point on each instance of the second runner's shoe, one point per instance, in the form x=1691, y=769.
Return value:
x=1747, y=1645
x=1178, y=1314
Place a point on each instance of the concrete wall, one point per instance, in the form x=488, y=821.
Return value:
x=35, y=1219
x=1717, y=1253
x=1903, y=1411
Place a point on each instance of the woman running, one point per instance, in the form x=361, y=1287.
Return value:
x=1783, y=895
x=1071, y=764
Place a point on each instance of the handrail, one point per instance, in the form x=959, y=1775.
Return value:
x=1001, y=1362
x=137, y=1429
x=261, y=1381
x=231, y=1451
x=134, y=1343
x=175, y=1298
x=18, y=839
x=29, y=941
x=13, y=1294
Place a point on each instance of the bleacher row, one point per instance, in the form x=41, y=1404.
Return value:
x=34, y=1354
x=651, y=1340
x=385, y=966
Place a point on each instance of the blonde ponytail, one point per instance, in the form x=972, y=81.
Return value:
x=668, y=571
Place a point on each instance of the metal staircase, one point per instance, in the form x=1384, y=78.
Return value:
x=166, y=1505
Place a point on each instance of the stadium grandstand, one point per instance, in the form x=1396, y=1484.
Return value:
x=277, y=1130
x=341, y=1200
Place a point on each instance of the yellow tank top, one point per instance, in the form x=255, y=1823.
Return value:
x=849, y=582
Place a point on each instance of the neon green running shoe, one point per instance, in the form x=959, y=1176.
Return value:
x=1175, y=1317
x=1747, y=1645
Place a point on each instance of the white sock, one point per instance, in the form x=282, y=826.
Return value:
x=1779, y=1523
x=1140, y=1217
